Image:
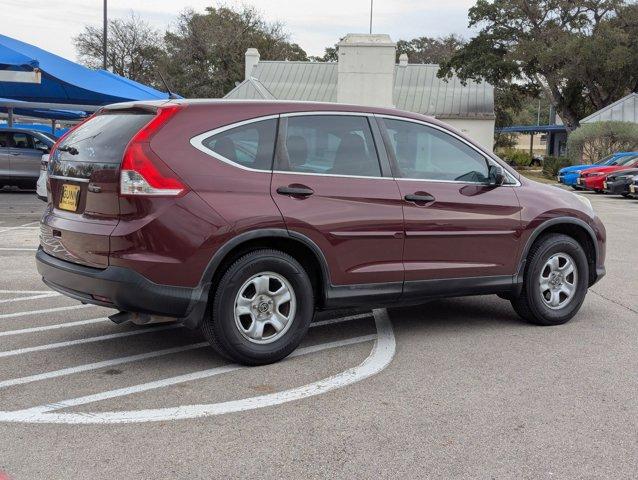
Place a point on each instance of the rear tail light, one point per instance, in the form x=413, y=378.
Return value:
x=143, y=172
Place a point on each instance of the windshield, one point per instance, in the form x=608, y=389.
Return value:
x=627, y=160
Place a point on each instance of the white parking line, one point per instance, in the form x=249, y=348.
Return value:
x=57, y=326
x=80, y=341
x=97, y=365
x=18, y=249
x=10, y=229
x=46, y=310
x=133, y=358
x=32, y=297
x=379, y=358
x=21, y=292
x=189, y=377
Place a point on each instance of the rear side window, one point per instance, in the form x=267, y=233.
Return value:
x=251, y=145
x=103, y=138
x=330, y=144
x=427, y=153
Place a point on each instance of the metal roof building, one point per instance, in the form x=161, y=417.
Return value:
x=416, y=88
x=623, y=110
x=366, y=73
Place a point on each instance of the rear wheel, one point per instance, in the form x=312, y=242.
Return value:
x=262, y=308
x=555, y=281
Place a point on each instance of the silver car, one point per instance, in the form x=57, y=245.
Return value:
x=21, y=152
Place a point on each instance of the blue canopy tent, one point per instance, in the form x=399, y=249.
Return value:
x=63, y=81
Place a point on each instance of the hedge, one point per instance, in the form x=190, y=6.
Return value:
x=593, y=141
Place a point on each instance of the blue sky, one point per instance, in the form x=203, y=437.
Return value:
x=314, y=24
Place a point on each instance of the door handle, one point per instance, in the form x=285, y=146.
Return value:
x=14, y=154
x=295, y=191
x=419, y=197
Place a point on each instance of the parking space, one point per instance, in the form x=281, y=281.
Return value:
x=455, y=388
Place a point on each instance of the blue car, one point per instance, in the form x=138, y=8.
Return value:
x=569, y=175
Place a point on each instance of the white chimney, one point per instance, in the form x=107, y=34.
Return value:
x=403, y=60
x=252, y=59
x=366, y=70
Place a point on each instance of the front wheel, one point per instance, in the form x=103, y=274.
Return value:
x=262, y=308
x=555, y=281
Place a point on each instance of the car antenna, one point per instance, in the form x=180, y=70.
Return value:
x=171, y=95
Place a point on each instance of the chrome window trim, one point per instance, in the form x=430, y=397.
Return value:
x=198, y=142
x=490, y=160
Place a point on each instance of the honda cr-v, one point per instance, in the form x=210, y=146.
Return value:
x=245, y=218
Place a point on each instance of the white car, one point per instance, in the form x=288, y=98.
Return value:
x=41, y=186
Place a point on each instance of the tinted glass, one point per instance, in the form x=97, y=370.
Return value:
x=103, y=138
x=430, y=154
x=251, y=145
x=4, y=139
x=330, y=144
x=22, y=140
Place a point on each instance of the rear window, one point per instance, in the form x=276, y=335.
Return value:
x=103, y=138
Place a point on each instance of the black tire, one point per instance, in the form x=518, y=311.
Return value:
x=529, y=304
x=220, y=329
x=625, y=195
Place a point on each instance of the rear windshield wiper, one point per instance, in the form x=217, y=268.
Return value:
x=68, y=149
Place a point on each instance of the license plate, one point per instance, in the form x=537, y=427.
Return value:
x=579, y=181
x=605, y=185
x=70, y=197
x=632, y=188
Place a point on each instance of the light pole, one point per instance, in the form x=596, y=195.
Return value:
x=371, y=5
x=104, y=34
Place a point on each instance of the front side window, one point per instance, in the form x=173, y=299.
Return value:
x=22, y=140
x=251, y=145
x=330, y=144
x=427, y=153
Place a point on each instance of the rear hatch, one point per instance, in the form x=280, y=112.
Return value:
x=84, y=174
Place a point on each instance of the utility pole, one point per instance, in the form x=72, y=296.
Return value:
x=104, y=34
x=371, y=5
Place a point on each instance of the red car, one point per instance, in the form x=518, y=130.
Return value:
x=594, y=178
x=244, y=218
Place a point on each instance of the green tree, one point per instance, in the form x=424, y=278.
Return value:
x=204, y=55
x=581, y=55
x=430, y=50
x=133, y=48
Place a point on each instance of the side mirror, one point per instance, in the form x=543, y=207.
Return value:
x=496, y=175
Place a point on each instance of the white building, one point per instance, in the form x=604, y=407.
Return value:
x=366, y=74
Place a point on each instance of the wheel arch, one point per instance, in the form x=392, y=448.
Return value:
x=302, y=248
x=570, y=226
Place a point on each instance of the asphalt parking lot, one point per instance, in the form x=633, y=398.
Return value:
x=457, y=388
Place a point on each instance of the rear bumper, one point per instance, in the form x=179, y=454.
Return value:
x=125, y=289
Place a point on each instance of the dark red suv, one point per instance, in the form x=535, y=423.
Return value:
x=244, y=218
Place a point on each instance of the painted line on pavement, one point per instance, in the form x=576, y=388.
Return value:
x=46, y=310
x=97, y=365
x=130, y=358
x=57, y=326
x=32, y=297
x=80, y=341
x=379, y=358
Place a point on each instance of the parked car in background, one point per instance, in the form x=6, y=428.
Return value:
x=569, y=175
x=245, y=218
x=593, y=178
x=618, y=183
x=21, y=153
